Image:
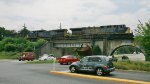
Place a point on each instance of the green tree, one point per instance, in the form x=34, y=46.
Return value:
x=96, y=50
x=1, y=46
x=10, y=33
x=20, y=44
x=29, y=49
x=40, y=42
x=2, y=30
x=127, y=50
x=24, y=32
x=7, y=33
x=8, y=40
x=10, y=47
x=142, y=37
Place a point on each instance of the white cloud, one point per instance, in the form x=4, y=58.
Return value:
x=145, y=3
x=47, y=14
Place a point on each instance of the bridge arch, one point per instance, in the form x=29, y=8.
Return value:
x=112, y=52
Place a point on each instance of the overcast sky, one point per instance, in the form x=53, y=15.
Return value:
x=47, y=14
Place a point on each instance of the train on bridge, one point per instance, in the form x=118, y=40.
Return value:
x=83, y=32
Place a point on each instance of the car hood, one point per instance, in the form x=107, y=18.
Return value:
x=76, y=63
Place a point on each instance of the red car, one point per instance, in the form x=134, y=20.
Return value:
x=68, y=59
x=27, y=56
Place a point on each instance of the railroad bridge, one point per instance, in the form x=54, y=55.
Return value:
x=108, y=38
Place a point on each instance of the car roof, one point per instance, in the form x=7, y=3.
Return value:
x=103, y=56
x=67, y=55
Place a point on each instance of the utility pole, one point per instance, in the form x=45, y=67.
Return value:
x=60, y=26
x=24, y=26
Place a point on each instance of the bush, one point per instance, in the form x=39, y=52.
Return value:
x=20, y=44
x=29, y=49
x=41, y=62
x=1, y=46
x=40, y=42
x=8, y=40
x=132, y=65
x=10, y=47
x=9, y=55
x=96, y=50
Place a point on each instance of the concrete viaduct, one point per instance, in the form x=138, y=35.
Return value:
x=108, y=43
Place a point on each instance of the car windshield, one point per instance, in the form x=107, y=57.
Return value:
x=107, y=59
x=65, y=56
x=45, y=55
x=94, y=59
x=85, y=59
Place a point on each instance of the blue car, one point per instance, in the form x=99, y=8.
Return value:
x=99, y=64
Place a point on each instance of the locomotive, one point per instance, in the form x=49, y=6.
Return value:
x=84, y=32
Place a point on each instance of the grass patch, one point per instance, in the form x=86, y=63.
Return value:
x=9, y=55
x=132, y=65
x=41, y=62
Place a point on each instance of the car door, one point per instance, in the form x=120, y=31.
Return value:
x=97, y=61
x=71, y=59
x=86, y=64
x=90, y=63
x=83, y=63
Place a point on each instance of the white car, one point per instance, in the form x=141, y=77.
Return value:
x=47, y=57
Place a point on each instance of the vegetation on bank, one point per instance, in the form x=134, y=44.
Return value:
x=9, y=55
x=41, y=62
x=142, y=38
x=132, y=65
x=20, y=45
x=10, y=48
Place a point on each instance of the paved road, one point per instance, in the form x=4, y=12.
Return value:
x=15, y=72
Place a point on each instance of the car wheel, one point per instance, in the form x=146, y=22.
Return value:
x=69, y=63
x=19, y=59
x=99, y=71
x=61, y=63
x=73, y=69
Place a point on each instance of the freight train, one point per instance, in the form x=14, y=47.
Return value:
x=84, y=32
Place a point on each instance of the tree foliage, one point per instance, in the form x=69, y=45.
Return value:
x=20, y=44
x=142, y=37
x=40, y=42
x=96, y=50
x=127, y=50
x=24, y=32
x=7, y=33
x=10, y=47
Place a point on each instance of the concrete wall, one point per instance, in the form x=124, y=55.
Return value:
x=114, y=44
x=45, y=49
x=51, y=48
x=57, y=52
x=106, y=46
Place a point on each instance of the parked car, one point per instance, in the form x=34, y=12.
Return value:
x=98, y=64
x=68, y=59
x=47, y=57
x=27, y=56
